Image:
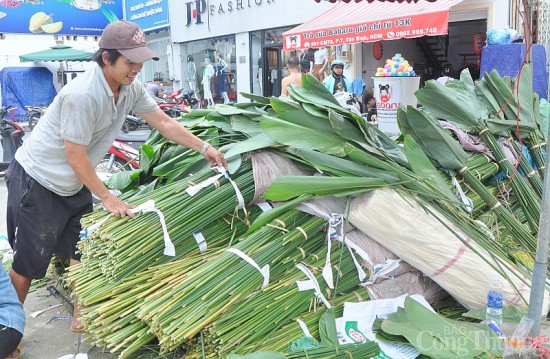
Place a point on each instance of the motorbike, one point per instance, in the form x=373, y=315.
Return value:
x=179, y=102
x=123, y=155
x=133, y=122
x=11, y=137
x=34, y=113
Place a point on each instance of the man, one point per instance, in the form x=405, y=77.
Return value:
x=370, y=104
x=155, y=88
x=337, y=82
x=446, y=74
x=294, y=77
x=50, y=180
x=12, y=318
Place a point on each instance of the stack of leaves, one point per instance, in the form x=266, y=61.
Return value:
x=314, y=131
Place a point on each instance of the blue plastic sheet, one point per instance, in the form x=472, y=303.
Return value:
x=508, y=58
x=24, y=86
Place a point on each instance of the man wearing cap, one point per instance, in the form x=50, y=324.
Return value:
x=50, y=180
x=336, y=81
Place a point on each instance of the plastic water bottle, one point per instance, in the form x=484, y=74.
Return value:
x=494, y=301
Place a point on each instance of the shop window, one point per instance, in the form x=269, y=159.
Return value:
x=210, y=69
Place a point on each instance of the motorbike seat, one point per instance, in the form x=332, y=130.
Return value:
x=141, y=136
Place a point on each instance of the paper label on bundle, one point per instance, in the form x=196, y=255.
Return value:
x=358, y=318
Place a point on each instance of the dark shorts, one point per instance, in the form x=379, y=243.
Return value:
x=41, y=223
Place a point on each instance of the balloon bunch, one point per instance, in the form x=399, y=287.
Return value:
x=396, y=66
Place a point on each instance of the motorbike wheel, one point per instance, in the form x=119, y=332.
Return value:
x=106, y=168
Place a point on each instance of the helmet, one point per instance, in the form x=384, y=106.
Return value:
x=335, y=63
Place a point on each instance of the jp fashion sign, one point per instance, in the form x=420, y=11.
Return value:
x=148, y=14
x=63, y=17
x=200, y=19
x=200, y=11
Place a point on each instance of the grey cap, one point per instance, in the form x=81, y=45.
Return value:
x=128, y=38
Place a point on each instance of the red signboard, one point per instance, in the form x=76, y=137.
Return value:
x=378, y=22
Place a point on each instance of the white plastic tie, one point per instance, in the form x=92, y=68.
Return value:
x=264, y=206
x=311, y=284
x=335, y=231
x=149, y=206
x=383, y=270
x=201, y=241
x=193, y=190
x=264, y=271
x=460, y=193
x=240, y=198
x=304, y=328
x=85, y=232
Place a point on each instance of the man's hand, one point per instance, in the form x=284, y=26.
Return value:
x=117, y=207
x=215, y=157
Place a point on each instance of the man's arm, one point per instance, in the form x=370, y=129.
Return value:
x=175, y=132
x=77, y=156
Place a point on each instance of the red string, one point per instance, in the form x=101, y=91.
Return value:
x=536, y=343
x=528, y=49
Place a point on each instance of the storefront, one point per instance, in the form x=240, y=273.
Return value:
x=365, y=34
x=153, y=18
x=233, y=46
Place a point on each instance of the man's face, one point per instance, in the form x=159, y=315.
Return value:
x=338, y=69
x=122, y=71
x=372, y=102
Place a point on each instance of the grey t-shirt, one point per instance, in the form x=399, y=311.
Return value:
x=84, y=112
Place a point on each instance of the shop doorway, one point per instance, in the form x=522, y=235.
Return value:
x=272, y=75
x=275, y=61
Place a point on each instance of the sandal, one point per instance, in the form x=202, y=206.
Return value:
x=16, y=353
x=78, y=329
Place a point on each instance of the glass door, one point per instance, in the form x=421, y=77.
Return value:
x=272, y=73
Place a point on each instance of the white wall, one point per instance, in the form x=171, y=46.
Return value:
x=242, y=51
x=242, y=16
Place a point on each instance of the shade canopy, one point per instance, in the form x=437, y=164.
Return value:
x=349, y=23
x=58, y=53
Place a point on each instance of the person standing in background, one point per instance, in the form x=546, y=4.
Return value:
x=446, y=74
x=337, y=82
x=369, y=103
x=155, y=88
x=294, y=77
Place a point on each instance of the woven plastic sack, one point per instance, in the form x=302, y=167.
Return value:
x=420, y=239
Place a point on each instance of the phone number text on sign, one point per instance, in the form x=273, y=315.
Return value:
x=403, y=33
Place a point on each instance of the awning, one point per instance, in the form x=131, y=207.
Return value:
x=58, y=53
x=350, y=23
